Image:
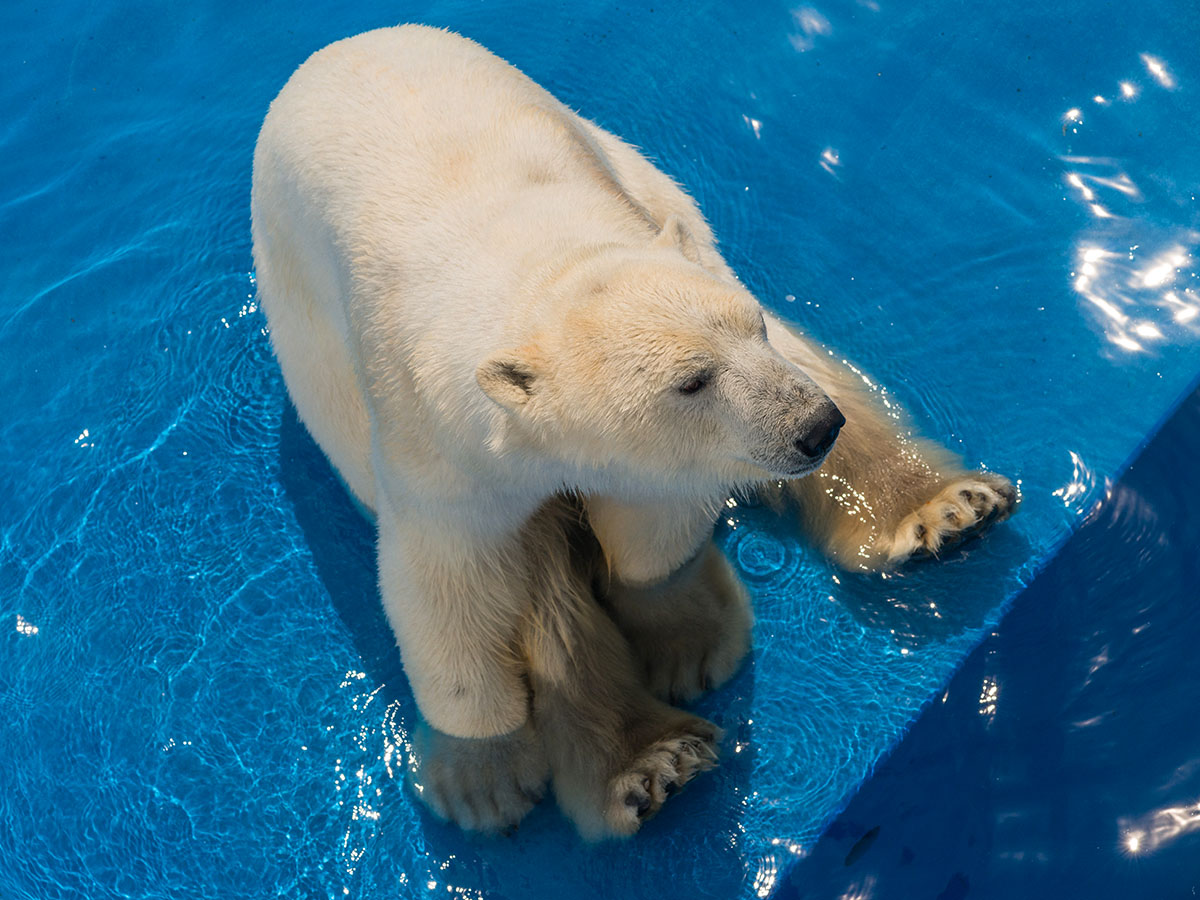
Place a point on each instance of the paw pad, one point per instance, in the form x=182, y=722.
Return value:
x=658, y=773
x=640, y=801
x=961, y=510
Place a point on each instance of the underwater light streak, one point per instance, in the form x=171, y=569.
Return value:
x=863, y=891
x=830, y=160
x=1122, y=184
x=792, y=847
x=1157, y=828
x=1124, y=293
x=1147, y=330
x=1158, y=70
x=764, y=879
x=1156, y=276
x=989, y=693
x=1082, y=482
x=813, y=24
x=1075, y=181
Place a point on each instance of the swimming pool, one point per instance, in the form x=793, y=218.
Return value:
x=994, y=214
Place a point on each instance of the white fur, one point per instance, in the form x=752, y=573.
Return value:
x=479, y=300
x=425, y=219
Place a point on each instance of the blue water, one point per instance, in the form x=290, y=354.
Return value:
x=1063, y=760
x=991, y=210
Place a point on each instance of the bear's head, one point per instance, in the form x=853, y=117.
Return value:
x=643, y=365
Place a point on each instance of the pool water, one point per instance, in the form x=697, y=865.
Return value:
x=992, y=212
x=1063, y=759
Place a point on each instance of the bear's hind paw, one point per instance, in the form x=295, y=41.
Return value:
x=960, y=510
x=659, y=771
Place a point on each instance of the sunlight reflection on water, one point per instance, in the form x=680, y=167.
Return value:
x=1136, y=272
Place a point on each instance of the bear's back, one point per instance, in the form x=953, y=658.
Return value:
x=413, y=140
x=410, y=191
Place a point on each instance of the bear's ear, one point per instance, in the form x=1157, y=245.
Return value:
x=509, y=378
x=675, y=234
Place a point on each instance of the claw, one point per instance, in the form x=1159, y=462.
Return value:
x=641, y=803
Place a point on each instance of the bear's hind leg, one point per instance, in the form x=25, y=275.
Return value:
x=882, y=495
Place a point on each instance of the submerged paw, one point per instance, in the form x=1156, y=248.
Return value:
x=960, y=510
x=691, y=633
x=657, y=773
x=679, y=668
x=484, y=784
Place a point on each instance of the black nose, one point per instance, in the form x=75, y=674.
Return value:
x=821, y=433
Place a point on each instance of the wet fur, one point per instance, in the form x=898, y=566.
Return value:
x=883, y=495
x=616, y=752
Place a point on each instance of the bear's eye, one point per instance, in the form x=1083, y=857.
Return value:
x=693, y=385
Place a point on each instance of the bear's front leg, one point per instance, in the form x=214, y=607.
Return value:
x=481, y=784
x=690, y=632
x=615, y=751
x=456, y=597
x=671, y=592
x=965, y=505
x=883, y=496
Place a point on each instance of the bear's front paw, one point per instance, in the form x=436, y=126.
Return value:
x=658, y=771
x=683, y=660
x=962, y=509
x=689, y=633
x=481, y=784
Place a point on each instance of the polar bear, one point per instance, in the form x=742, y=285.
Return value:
x=516, y=341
